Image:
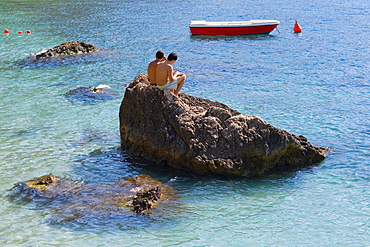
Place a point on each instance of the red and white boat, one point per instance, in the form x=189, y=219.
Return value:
x=233, y=27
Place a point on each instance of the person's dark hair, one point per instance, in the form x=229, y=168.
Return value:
x=159, y=54
x=172, y=56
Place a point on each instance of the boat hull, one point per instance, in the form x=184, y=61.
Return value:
x=232, y=28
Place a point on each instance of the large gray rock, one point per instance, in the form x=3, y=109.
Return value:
x=67, y=49
x=203, y=136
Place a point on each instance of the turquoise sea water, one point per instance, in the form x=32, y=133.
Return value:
x=315, y=84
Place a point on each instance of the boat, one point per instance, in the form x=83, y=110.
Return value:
x=233, y=27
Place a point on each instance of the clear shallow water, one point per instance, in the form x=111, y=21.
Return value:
x=315, y=84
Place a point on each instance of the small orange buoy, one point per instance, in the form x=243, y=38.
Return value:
x=20, y=32
x=6, y=31
x=115, y=33
x=297, y=27
x=28, y=31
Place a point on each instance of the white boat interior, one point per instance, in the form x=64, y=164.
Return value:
x=233, y=23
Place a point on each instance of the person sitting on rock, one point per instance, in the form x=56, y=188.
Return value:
x=152, y=67
x=167, y=78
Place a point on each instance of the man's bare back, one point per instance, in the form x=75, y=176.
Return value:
x=164, y=73
x=166, y=78
x=152, y=67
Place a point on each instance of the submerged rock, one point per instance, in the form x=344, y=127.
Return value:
x=203, y=136
x=140, y=195
x=67, y=49
x=88, y=90
x=88, y=94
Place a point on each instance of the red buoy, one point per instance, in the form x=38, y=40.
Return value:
x=28, y=31
x=20, y=32
x=297, y=27
x=6, y=31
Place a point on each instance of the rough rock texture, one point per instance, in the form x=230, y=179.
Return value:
x=203, y=136
x=140, y=194
x=68, y=48
x=144, y=199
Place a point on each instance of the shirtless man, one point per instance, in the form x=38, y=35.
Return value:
x=167, y=78
x=152, y=67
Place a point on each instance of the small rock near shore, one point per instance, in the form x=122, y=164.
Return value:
x=68, y=49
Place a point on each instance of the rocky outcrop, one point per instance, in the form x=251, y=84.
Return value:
x=144, y=199
x=203, y=136
x=68, y=49
x=140, y=194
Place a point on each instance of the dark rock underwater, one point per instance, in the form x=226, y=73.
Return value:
x=71, y=200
